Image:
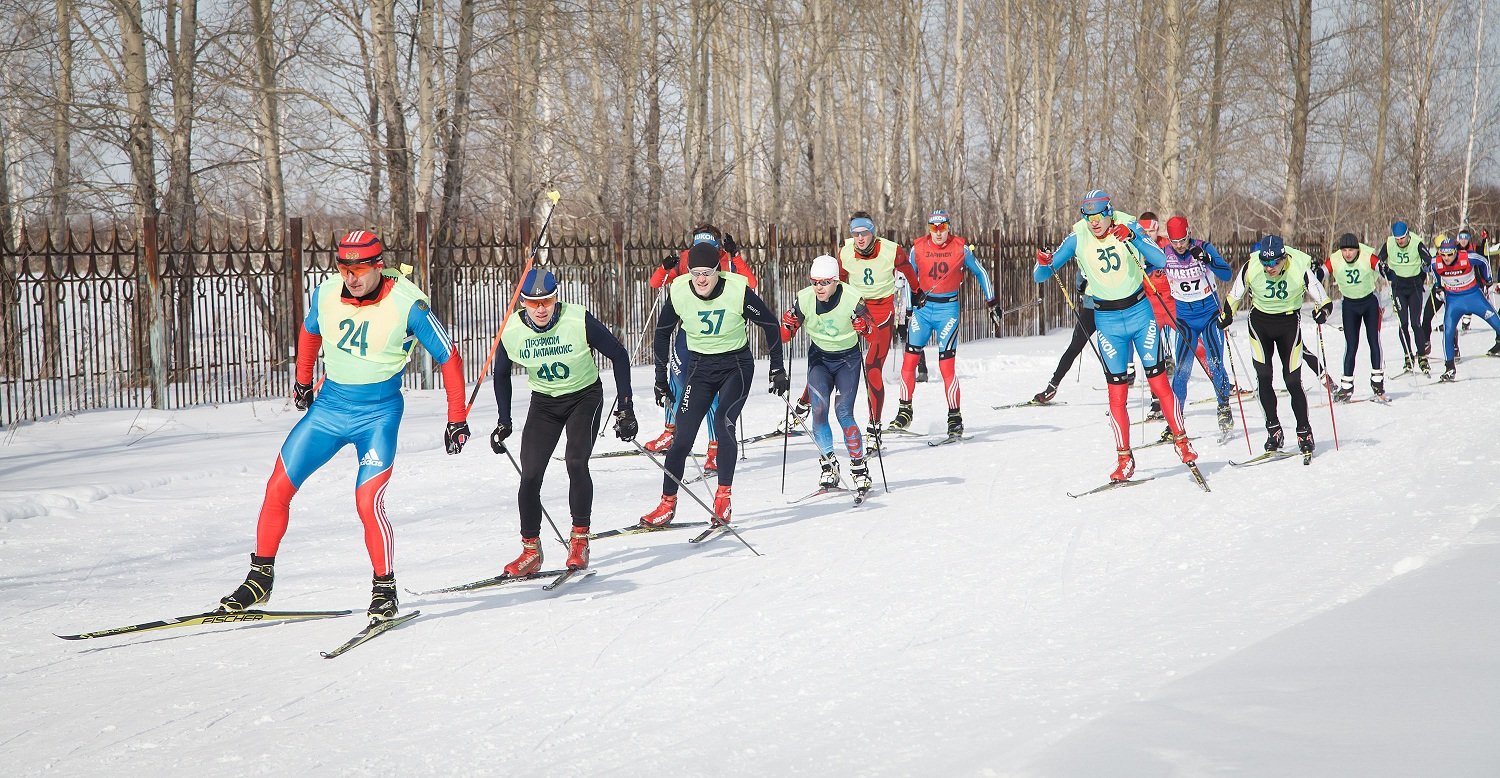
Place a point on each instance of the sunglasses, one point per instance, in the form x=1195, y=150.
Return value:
x=860, y=233
x=938, y=227
x=1180, y=242
x=1097, y=218
x=702, y=272
x=824, y=281
x=358, y=268
x=1271, y=261
x=1448, y=252
x=541, y=302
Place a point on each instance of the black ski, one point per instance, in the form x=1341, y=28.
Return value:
x=608, y=455
x=769, y=435
x=375, y=627
x=565, y=576
x=710, y=533
x=903, y=432
x=499, y=580
x=207, y=618
x=949, y=439
x=637, y=529
x=1027, y=404
x=1269, y=456
x=1114, y=485
x=819, y=493
x=1198, y=476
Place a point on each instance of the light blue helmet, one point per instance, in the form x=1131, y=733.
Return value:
x=1096, y=202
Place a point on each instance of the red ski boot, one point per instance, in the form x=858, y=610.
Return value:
x=528, y=562
x=1185, y=449
x=721, y=507
x=663, y=441
x=1125, y=468
x=663, y=514
x=578, y=548
x=711, y=461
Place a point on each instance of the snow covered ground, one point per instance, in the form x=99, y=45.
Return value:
x=1337, y=619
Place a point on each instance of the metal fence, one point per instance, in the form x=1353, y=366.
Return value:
x=101, y=320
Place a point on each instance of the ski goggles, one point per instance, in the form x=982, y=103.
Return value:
x=1270, y=260
x=1095, y=219
x=533, y=303
x=358, y=267
x=1448, y=252
x=702, y=272
x=938, y=227
x=824, y=281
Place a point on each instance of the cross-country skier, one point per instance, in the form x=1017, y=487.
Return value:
x=672, y=266
x=1463, y=276
x=555, y=343
x=374, y=312
x=1354, y=268
x=1405, y=261
x=1276, y=278
x=941, y=261
x=1113, y=257
x=834, y=318
x=712, y=307
x=1193, y=269
x=1083, y=329
x=870, y=264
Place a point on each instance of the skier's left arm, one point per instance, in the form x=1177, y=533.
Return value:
x=430, y=333
x=757, y=312
x=603, y=341
x=976, y=269
x=1481, y=268
x=1216, y=262
x=904, y=267
x=1316, y=291
x=1145, y=247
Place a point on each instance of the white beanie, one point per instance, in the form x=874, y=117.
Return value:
x=824, y=267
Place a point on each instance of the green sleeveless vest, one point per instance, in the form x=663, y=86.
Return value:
x=365, y=344
x=714, y=326
x=557, y=361
x=832, y=331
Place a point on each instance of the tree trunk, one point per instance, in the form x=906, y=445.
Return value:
x=911, y=23
x=397, y=147
x=428, y=12
x=1174, y=42
x=1297, y=27
x=1382, y=109
x=1463, y=211
x=956, y=140
x=652, y=137
x=268, y=131
x=451, y=204
x=1216, y=101
x=182, y=212
x=137, y=90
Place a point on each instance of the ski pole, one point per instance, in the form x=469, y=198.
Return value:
x=1238, y=397
x=602, y=427
x=691, y=494
x=515, y=296
x=1328, y=387
x=517, y=466
x=786, y=436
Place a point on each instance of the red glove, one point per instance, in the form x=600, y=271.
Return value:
x=790, y=321
x=1043, y=258
x=862, y=325
x=1122, y=233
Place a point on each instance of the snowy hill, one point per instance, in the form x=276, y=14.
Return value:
x=1336, y=619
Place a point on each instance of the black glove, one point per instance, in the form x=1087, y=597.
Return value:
x=997, y=312
x=455, y=436
x=730, y=247
x=669, y=261
x=1226, y=316
x=1197, y=252
x=302, y=396
x=781, y=383
x=663, y=392
x=626, y=426
x=1320, y=312
x=918, y=298
x=497, y=438
x=904, y=328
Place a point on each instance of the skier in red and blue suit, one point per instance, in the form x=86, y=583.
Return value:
x=1463, y=275
x=375, y=314
x=941, y=261
x=1192, y=268
x=1114, y=257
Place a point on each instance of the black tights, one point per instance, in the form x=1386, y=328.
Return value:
x=1083, y=329
x=1271, y=333
x=578, y=414
x=726, y=376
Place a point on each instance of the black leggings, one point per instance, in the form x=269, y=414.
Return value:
x=1407, y=295
x=1271, y=333
x=726, y=376
x=1361, y=312
x=548, y=417
x=1083, y=329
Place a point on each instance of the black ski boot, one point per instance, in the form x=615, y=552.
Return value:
x=955, y=424
x=1045, y=396
x=1377, y=384
x=1274, y=437
x=1423, y=365
x=1166, y=436
x=257, y=586
x=1450, y=373
x=1495, y=349
x=800, y=410
x=1226, y=418
x=829, y=477
x=859, y=472
x=903, y=415
x=1345, y=392
x=1155, y=413
x=1305, y=441
x=383, y=597
x=872, y=438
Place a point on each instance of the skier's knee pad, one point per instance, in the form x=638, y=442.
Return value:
x=1156, y=369
x=1119, y=378
x=910, y=349
x=949, y=354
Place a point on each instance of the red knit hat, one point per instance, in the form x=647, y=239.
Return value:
x=1177, y=228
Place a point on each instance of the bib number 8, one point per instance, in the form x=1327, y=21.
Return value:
x=869, y=276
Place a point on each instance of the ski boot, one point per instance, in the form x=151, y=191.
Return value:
x=722, y=510
x=663, y=441
x=1377, y=384
x=1124, y=466
x=529, y=561
x=1155, y=413
x=1424, y=365
x=1305, y=441
x=955, y=424
x=1495, y=349
x=1345, y=392
x=828, y=478
x=872, y=434
x=859, y=472
x=1184, y=448
x=1165, y=436
x=711, y=459
x=1406, y=364
x=1045, y=396
x=383, y=597
x=578, y=548
x=800, y=409
x=1226, y=418
x=1274, y=437
x=257, y=586
x=663, y=513
x=922, y=369
x=1450, y=373
x=902, y=421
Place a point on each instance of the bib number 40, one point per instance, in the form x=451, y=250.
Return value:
x=556, y=371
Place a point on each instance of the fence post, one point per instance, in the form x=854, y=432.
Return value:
x=291, y=253
x=617, y=242
x=422, y=258
x=156, y=328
